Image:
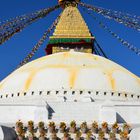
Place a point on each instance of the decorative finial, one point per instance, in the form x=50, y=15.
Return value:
x=65, y=3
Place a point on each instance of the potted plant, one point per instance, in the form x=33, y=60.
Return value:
x=94, y=127
x=126, y=128
x=66, y=136
x=101, y=135
x=105, y=127
x=89, y=135
x=18, y=126
x=115, y=127
x=19, y=130
x=112, y=136
x=73, y=127
x=42, y=131
x=123, y=135
x=21, y=136
x=78, y=135
x=62, y=127
x=51, y=127
x=83, y=127
x=53, y=136
x=42, y=135
x=30, y=131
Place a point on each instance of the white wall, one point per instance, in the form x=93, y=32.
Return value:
x=68, y=111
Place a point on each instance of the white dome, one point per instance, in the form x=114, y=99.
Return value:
x=71, y=70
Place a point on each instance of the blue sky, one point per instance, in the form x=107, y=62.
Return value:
x=14, y=51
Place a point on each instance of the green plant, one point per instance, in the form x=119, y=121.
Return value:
x=73, y=124
x=115, y=125
x=83, y=125
x=62, y=125
x=104, y=125
x=112, y=135
x=95, y=124
x=125, y=125
x=78, y=134
x=89, y=134
x=123, y=134
x=51, y=124
x=101, y=134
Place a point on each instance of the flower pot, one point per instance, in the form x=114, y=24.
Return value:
x=84, y=130
x=31, y=138
x=114, y=130
x=112, y=138
x=105, y=130
x=94, y=130
x=126, y=130
x=62, y=130
x=72, y=129
x=77, y=138
x=65, y=138
x=99, y=138
x=20, y=138
x=17, y=129
x=90, y=138
x=53, y=137
x=42, y=138
x=51, y=129
x=124, y=138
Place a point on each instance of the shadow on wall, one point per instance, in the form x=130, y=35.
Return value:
x=50, y=111
x=120, y=119
x=7, y=133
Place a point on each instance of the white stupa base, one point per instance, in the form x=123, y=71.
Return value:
x=41, y=109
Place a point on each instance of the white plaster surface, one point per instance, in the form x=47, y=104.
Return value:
x=1, y=134
x=71, y=70
x=36, y=108
x=135, y=134
x=82, y=87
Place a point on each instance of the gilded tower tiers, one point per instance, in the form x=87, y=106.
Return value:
x=71, y=33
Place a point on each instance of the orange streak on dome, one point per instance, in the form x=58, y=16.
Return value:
x=1, y=85
x=53, y=66
x=29, y=80
x=113, y=83
x=73, y=76
x=111, y=79
x=66, y=54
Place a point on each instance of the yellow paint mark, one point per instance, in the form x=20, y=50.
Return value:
x=68, y=65
x=1, y=85
x=111, y=80
x=53, y=66
x=61, y=65
x=29, y=80
x=73, y=67
x=73, y=76
x=112, y=83
x=66, y=54
x=138, y=80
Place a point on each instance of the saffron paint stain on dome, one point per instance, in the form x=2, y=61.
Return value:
x=74, y=70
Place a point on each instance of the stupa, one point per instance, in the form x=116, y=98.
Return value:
x=71, y=82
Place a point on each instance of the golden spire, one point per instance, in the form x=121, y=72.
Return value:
x=71, y=33
x=71, y=25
